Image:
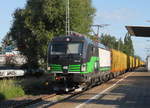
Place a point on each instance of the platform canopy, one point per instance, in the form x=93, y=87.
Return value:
x=139, y=31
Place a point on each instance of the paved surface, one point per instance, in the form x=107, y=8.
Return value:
x=131, y=90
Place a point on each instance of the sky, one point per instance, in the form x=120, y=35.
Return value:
x=116, y=13
x=120, y=13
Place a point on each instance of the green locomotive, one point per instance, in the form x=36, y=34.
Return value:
x=75, y=62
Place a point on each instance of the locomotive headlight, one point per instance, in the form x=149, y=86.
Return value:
x=65, y=67
x=48, y=68
x=83, y=67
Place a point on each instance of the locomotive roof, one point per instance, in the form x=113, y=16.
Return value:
x=73, y=38
x=79, y=39
x=63, y=38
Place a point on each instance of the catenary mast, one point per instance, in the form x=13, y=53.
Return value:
x=67, y=18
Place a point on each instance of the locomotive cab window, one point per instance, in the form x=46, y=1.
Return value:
x=74, y=48
x=66, y=48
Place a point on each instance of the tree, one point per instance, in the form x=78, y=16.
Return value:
x=120, y=45
x=35, y=25
x=109, y=41
x=128, y=45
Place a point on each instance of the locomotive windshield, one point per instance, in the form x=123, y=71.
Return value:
x=62, y=48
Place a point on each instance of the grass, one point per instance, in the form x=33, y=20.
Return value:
x=10, y=89
x=30, y=86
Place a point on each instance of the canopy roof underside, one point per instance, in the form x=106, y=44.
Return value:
x=139, y=31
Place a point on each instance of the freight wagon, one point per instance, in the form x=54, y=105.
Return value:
x=119, y=62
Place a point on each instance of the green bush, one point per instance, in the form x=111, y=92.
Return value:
x=9, y=89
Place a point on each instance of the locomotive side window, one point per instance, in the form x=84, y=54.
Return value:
x=93, y=51
x=89, y=52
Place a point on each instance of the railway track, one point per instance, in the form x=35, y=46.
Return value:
x=51, y=99
x=48, y=100
x=34, y=101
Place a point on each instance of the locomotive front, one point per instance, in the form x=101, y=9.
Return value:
x=65, y=59
x=65, y=54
